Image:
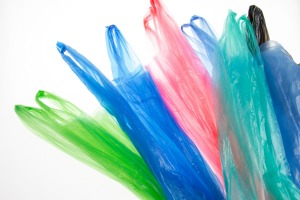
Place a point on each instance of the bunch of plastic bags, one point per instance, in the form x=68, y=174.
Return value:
x=204, y=120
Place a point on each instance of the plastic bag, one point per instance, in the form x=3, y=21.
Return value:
x=283, y=77
x=257, y=19
x=253, y=158
x=167, y=163
x=139, y=90
x=96, y=141
x=203, y=40
x=184, y=83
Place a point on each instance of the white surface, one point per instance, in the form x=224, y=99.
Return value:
x=31, y=169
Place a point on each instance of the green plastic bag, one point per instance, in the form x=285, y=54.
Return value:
x=97, y=141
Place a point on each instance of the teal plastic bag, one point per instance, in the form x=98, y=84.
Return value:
x=252, y=154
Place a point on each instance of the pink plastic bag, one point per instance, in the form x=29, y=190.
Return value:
x=184, y=83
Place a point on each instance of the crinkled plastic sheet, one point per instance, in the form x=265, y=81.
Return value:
x=283, y=77
x=183, y=82
x=175, y=175
x=139, y=90
x=253, y=158
x=97, y=141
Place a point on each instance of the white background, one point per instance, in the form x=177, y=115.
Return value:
x=31, y=169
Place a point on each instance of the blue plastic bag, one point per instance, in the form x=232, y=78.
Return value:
x=283, y=77
x=139, y=90
x=167, y=163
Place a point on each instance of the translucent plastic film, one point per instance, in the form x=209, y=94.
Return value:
x=96, y=141
x=167, y=163
x=283, y=77
x=203, y=40
x=139, y=90
x=253, y=158
x=183, y=82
